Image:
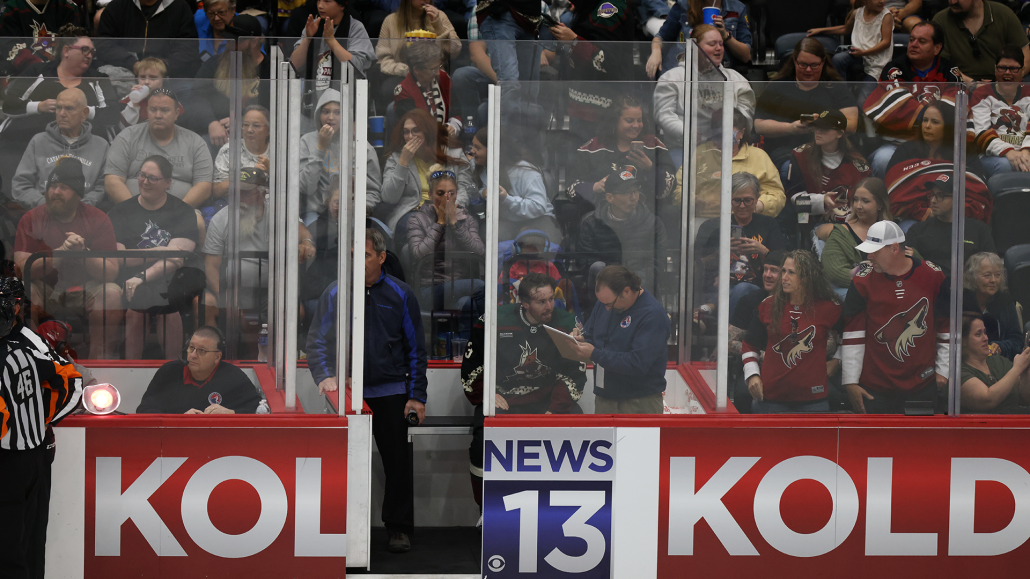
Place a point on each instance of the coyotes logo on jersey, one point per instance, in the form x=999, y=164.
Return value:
x=1010, y=119
x=792, y=347
x=530, y=367
x=900, y=332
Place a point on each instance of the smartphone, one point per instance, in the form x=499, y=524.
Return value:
x=807, y=118
x=548, y=20
x=637, y=146
x=1026, y=340
x=736, y=231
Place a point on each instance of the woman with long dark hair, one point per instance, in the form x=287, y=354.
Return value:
x=990, y=383
x=793, y=326
x=869, y=204
x=624, y=138
x=806, y=87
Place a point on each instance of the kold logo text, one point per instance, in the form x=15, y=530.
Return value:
x=115, y=507
x=688, y=505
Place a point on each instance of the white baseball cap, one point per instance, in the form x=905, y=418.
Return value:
x=881, y=234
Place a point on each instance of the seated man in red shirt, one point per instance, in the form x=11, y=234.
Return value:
x=66, y=285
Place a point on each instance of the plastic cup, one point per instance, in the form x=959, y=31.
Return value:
x=708, y=14
x=376, y=127
x=458, y=346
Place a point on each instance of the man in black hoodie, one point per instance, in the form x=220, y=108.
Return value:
x=157, y=28
x=29, y=27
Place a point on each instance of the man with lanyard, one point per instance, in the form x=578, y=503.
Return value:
x=907, y=84
x=626, y=337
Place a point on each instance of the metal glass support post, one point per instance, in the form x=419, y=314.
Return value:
x=686, y=289
x=723, y=340
x=958, y=234
x=493, y=168
x=291, y=217
x=360, y=156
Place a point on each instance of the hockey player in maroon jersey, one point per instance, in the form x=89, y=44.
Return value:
x=792, y=326
x=895, y=347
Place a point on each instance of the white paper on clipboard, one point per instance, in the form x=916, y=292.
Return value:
x=565, y=342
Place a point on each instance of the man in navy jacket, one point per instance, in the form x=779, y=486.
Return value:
x=395, y=377
x=627, y=339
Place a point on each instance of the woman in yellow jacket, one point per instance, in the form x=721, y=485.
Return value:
x=746, y=158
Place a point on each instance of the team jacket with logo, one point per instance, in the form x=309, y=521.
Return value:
x=807, y=191
x=900, y=97
x=794, y=369
x=529, y=366
x=896, y=328
x=37, y=388
x=999, y=126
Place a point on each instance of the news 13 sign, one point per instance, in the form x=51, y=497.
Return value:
x=772, y=502
x=215, y=502
x=547, y=502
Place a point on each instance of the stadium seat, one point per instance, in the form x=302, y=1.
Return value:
x=1011, y=192
x=1017, y=266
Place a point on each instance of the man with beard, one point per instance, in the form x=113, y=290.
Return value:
x=532, y=375
x=626, y=337
x=975, y=32
x=192, y=168
x=69, y=135
x=896, y=329
x=69, y=285
x=252, y=236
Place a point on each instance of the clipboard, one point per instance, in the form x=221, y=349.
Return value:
x=565, y=342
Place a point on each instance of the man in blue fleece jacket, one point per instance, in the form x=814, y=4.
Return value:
x=627, y=340
x=395, y=377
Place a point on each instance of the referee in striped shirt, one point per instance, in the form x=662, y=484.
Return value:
x=37, y=389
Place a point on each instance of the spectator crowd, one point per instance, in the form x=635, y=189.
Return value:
x=117, y=164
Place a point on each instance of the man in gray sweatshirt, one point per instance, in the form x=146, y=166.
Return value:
x=68, y=136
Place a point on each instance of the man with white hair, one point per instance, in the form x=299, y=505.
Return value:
x=252, y=236
x=896, y=326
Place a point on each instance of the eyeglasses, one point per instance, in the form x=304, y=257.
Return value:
x=1007, y=68
x=152, y=179
x=937, y=195
x=200, y=351
x=611, y=305
x=255, y=126
x=223, y=13
x=974, y=46
x=807, y=66
x=743, y=201
x=85, y=50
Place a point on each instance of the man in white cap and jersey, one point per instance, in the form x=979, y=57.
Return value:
x=896, y=331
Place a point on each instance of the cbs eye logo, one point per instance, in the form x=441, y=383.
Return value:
x=495, y=563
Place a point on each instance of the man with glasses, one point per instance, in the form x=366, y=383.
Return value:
x=70, y=135
x=932, y=238
x=626, y=338
x=975, y=32
x=999, y=112
x=907, y=85
x=753, y=236
x=192, y=168
x=64, y=287
x=202, y=384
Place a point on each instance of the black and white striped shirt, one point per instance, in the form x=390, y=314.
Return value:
x=37, y=388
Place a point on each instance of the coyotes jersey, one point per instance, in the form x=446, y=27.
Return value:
x=529, y=366
x=794, y=369
x=896, y=328
x=806, y=190
x=999, y=126
x=898, y=102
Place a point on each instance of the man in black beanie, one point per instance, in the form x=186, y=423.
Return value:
x=67, y=285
